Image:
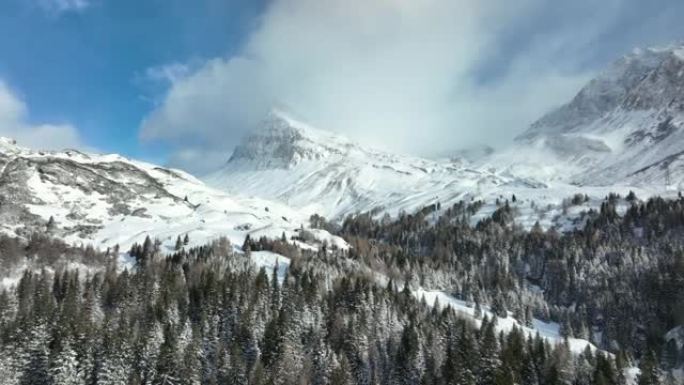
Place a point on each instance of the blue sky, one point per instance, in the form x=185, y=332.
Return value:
x=87, y=66
x=179, y=82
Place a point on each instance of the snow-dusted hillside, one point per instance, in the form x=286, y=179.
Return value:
x=624, y=127
x=107, y=200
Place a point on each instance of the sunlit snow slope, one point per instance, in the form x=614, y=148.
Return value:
x=107, y=200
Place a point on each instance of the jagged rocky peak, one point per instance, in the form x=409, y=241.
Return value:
x=642, y=80
x=662, y=87
x=281, y=141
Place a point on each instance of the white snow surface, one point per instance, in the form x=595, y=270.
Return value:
x=547, y=330
x=269, y=261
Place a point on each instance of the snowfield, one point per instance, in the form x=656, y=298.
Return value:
x=548, y=331
x=271, y=262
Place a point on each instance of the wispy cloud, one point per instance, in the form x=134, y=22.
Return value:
x=168, y=73
x=15, y=124
x=58, y=7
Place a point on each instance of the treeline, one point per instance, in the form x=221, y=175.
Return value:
x=617, y=280
x=207, y=316
x=40, y=251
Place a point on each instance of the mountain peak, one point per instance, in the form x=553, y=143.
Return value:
x=282, y=141
x=625, y=124
x=648, y=78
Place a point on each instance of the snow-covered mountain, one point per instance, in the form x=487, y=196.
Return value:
x=106, y=200
x=321, y=172
x=624, y=127
x=317, y=171
x=622, y=131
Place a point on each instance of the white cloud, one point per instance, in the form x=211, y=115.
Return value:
x=398, y=74
x=170, y=73
x=14, y=124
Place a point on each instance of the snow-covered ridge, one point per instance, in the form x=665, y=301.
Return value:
x=321, y=172
x=601, y=95
x=624, y=127
x=109, y=200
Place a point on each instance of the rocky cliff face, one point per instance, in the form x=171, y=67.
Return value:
x=281, y=142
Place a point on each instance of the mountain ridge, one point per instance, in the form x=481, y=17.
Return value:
x=344, y=179
x=109, y=200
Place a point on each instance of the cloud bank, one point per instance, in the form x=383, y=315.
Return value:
x=14, y=123
x=417, y=76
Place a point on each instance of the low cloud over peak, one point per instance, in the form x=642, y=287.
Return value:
x=412, y=76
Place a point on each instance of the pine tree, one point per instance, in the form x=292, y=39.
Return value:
x=341, y=373
x=64, y=369
x=464, y=359
x=566, y=329
x=189, y=371
x=408, y=357
x=489, y=354
x=51, y=224
x=650, y=374
x=529, y=374
x=36, y=367
x=167, y=372
x=113, y=366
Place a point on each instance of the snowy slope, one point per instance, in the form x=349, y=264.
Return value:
x=624, y=127
x=107, y=200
